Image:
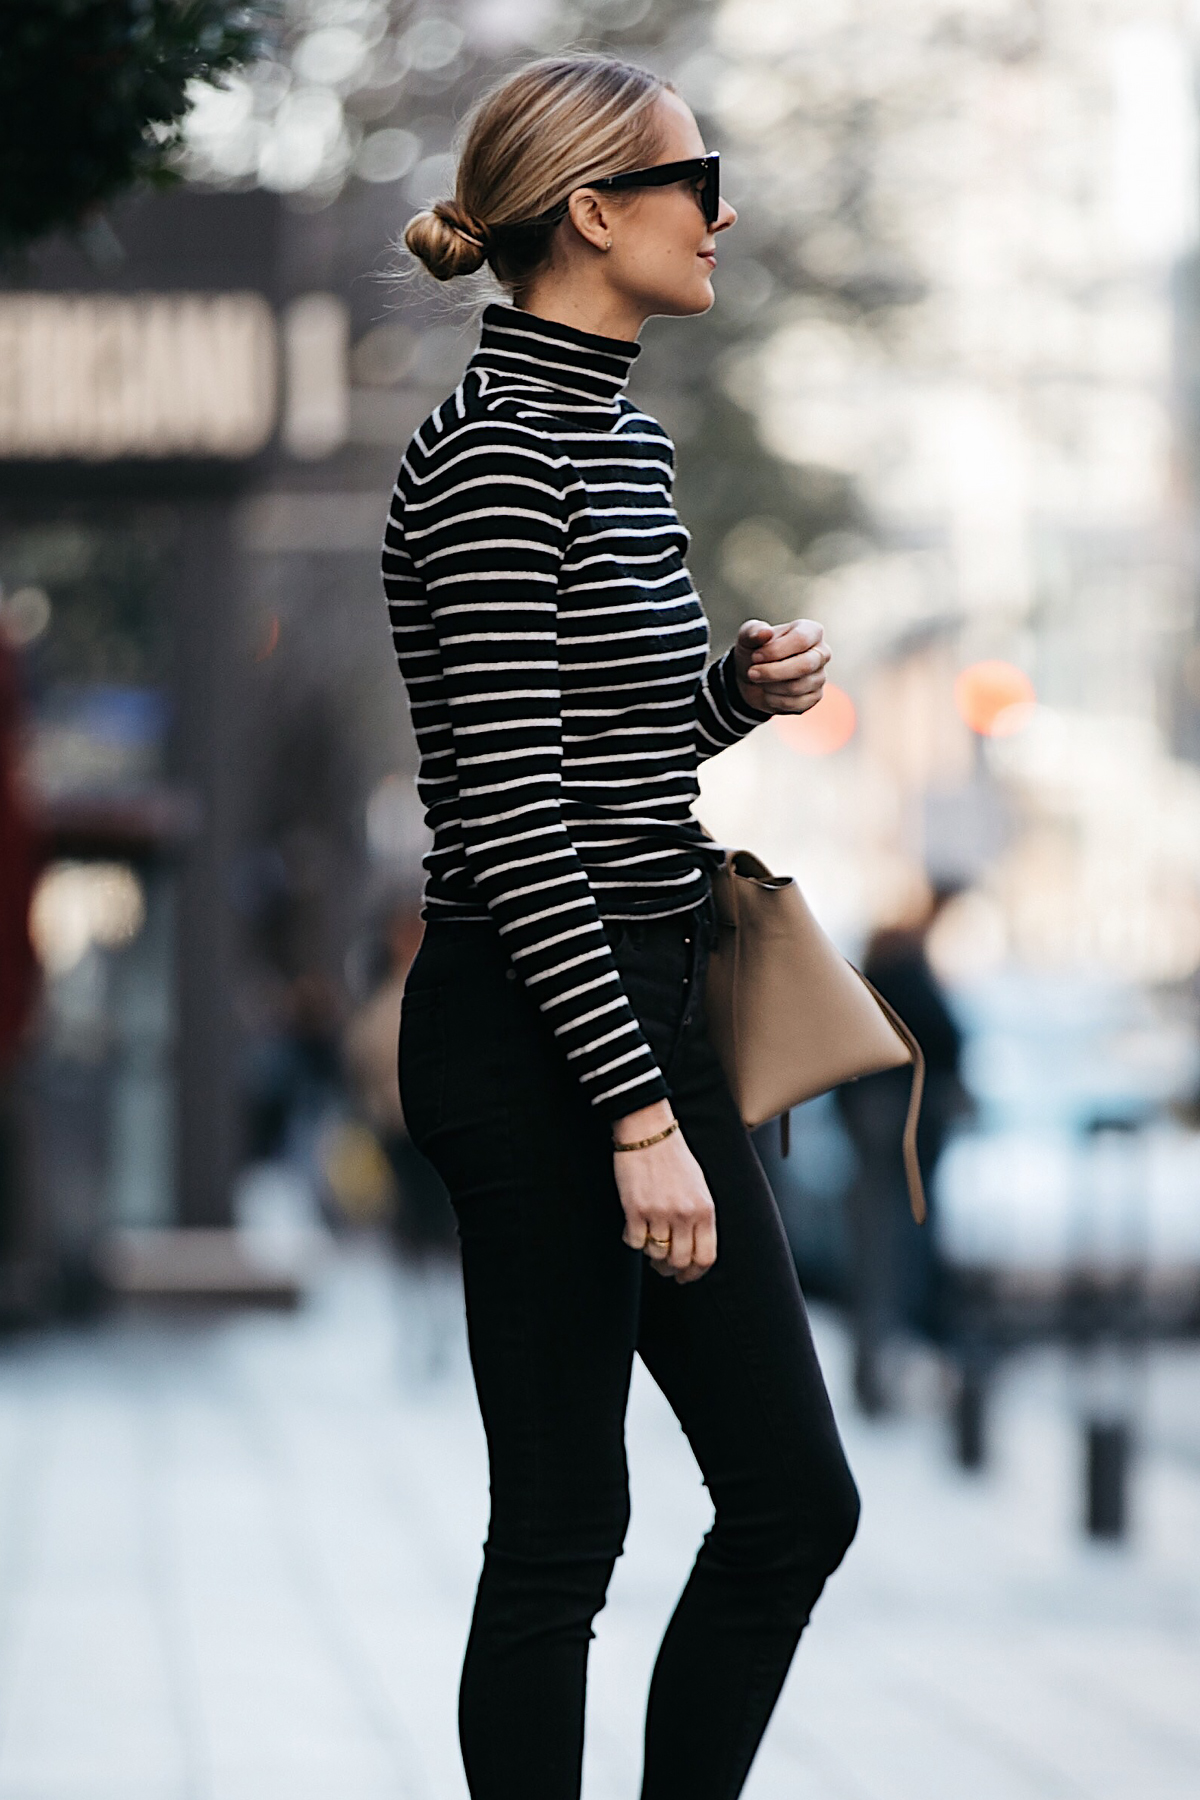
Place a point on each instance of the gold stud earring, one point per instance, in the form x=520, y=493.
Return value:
x=608, y=243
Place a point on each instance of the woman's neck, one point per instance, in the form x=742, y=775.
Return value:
x=587, y=307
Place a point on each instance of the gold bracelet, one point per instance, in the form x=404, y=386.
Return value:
x=641, y=1143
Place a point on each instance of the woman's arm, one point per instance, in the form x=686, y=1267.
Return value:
x=485, y=521
x=723, y=715
x=769, y=669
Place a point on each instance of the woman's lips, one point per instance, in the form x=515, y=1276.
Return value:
x=708, y=257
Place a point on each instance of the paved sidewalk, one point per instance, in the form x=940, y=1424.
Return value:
x=237, y=1560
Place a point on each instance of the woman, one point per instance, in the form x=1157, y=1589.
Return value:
x=553, y=1058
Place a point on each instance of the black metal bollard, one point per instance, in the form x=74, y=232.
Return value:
x=970, y=1417
x=1107, y=1449
x=1106, y=1319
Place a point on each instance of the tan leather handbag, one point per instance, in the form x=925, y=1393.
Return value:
x=788, y=1015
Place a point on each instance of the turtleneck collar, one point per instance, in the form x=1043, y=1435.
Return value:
x=540, y=353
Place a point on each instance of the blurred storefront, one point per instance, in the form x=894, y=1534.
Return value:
x=139, y=401
x=147, y=395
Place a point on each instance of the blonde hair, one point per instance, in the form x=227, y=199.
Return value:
x=529, y=143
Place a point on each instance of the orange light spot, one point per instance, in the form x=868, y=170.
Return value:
x=824, y=728
x=270, y=640
x=987, y=691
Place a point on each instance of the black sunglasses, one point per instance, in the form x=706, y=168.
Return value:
x=704, y=170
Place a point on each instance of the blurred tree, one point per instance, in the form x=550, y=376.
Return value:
x=93, y=94
x=728, y=477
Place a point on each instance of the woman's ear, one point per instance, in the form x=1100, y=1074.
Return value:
x=591, y=215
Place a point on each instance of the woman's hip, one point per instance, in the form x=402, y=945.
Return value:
x=466, y=1007
x=484, y=1080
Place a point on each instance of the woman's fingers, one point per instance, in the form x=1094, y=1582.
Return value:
x=802, y=637
x=772, y=687
x=772, y=670
x=793, y=683
x=657, y=1240
x=795, y=653
x=780, y=652
x=704, y=1253
x=752, y=633
x=704, y=1247
x=681, y=1248
x=659, y=1259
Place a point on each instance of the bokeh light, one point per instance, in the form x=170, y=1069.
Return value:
x=824, y=728
x=77, y=905
x=25, y=615
x=994, y=697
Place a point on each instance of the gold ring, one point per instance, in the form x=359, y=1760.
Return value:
x=663, y=1243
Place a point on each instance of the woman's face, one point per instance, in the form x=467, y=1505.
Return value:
x=663, y=253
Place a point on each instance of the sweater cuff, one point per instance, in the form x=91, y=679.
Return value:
x=643, y=1092
x=745, y=714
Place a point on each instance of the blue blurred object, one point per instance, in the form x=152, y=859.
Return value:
x=99, y=737
x=1052, y=1050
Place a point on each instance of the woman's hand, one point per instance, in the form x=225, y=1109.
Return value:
x=664, y=1196
x=781, y=668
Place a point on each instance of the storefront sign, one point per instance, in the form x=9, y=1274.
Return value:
x=101, y=377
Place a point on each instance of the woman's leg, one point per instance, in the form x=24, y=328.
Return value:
x=552, y=1316
x=734, y=1356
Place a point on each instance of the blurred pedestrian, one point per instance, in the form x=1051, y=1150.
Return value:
x=554, y=1063
x=424, y=1223
x=20, y=859
x=897, y=1280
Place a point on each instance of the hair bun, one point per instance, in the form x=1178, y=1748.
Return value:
x=447, y=240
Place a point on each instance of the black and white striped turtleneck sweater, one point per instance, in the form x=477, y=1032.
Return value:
x=554, y=650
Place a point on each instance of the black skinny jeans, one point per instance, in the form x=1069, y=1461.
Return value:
x=556, y=1306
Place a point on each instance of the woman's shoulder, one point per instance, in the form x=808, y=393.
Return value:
x=462, y=439
x=465, y=419
x=646, y=434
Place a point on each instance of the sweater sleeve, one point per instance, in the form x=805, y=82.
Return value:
x=722, y=716
x=486, y=527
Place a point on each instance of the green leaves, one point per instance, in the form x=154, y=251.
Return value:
x=93, y=94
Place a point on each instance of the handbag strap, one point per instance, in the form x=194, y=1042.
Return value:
x=731, y=890
x=912, y=1166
